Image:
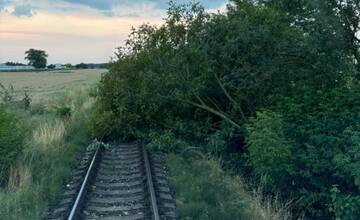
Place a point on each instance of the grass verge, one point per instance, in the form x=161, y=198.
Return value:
x=205, y=191
x=49, y=154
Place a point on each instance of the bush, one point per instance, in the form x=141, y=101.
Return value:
x=255, y=75
x=63, y=112
x=166, y=142
x=269, y=153
x=325, y=147
x=12, y=134
x=183, y=76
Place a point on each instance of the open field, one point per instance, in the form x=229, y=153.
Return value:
x=45, y=85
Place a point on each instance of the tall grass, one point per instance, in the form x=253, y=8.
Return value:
x=205, y=192
x=48, y=157
x=50, y=134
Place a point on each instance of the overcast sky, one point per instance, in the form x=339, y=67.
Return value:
x=73, y=31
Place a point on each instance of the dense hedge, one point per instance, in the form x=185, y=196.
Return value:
x=311, y=154
x=12, y=133
x=270, y=88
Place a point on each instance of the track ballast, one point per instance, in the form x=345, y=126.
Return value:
x=122, y=182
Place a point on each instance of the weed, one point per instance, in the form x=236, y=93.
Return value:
x=26, y=100
x=95, y=144
x=7, y=94
x=48, y=156
x=205, y=191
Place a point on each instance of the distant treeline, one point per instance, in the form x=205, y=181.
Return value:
x=92, y=65
x=14, y=64
x=77, y=66
x=82, y=66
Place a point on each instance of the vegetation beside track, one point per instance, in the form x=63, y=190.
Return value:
x=270, y=86
x=204, y=191
x=46, y=138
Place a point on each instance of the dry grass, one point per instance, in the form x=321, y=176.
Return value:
x=54, y=141
x=45, y=85
x=50, y=134
x=48, y=157
x=20, y=177
x=270, y=208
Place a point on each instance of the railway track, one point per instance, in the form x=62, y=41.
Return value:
x=123, y=182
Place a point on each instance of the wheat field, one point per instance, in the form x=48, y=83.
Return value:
x=47, y=84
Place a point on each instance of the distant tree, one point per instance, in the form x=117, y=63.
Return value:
x=51, y=66
x=68, y=66
x=36, y=58
x=81, y=66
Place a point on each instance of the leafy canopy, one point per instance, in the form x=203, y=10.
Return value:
x=36, y=58
x=270, y=86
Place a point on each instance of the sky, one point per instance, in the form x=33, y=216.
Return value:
x=74, y=31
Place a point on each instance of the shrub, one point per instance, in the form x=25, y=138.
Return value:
x=269, y=152
x=12, y=134
x=26, y=101
x=202, y=79
x=184, y=72
x=63, y=112
x=166, y=142
x=325, y=147
x=345, y=207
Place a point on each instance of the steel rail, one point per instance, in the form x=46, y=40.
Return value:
x=150, y=183
x=80, y=197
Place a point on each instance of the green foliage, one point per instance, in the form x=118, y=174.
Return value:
x=81, y=66
x=9, y=99
x=269, y=152
x=332, y=26
x=95, y=144
x=63, y=111
x=47, y=157
x=166, y=142
x=205, y=191
x=36, y=58
x=345, y=207
x=7, y=94
x=276, y=75
x=68, y=65
x=12, y=134
x=37, y=109
x=324, y=131
x=26, y=100
x=51, y=66
x=204, y=79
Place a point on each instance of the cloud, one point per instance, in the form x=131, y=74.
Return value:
x=140, y=10
x=71, y=30
x=101, y=5
x=23, y=10
x=121, y=8
x=106, y=6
